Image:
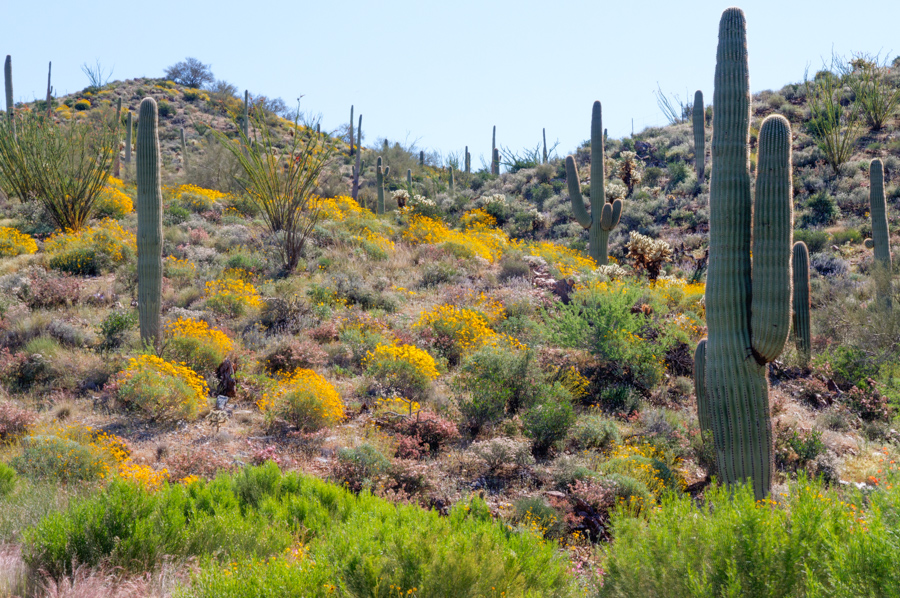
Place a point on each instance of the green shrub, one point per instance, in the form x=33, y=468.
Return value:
x=82, y=104
x=51, y=457
x=164, y=108
x=812, y=542
x=816, y=240
x=114, y=326
x=548, y=422
x=595, y=432
x=847, y=235
x=822, y=210
x=7, y=479
x=535, y=514
x=362, y=467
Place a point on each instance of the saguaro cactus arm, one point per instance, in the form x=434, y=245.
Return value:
x=700, y=387
x=800, y=271
x=574, y=183
x=697, y=116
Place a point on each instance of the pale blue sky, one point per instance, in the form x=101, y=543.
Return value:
x=444, y=73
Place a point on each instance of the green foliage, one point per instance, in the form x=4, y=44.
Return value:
x=835, y=128
x=362, y=467
x=166, y=109
x=533, y=512
x=7, y=479
x=816, y=240
x=822, y=210
x=61, y=459
x=847, y=235
x=812, y=543
x=257, y=520
x=548, y=422
x=595, y=432
x=114, y=326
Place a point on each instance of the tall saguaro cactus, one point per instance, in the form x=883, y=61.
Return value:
x=495, y=154
x=10, y=105
x=129, y=126
x=49, y=88
x=748, y=299
x=699, y=134
x=116, y=164
x=468, y=161
x=800, y=267
x=604, y=216
x=245, y=126
x=351, y=130
x=149, y=233
x=452, y=181
x=380, y=174
x=545, y=145
x=355, y=190
x=184, y=158
x=880, y=235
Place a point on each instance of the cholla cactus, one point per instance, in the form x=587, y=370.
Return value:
x=486, y=200
x=630, y=167
x=401, y=196
x=612, y=272
x=648, y=254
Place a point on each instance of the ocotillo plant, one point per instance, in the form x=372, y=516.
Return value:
x=355, y=191
x=245, y=126
x=699, y=135
x=604, y=216
x=748, y=299
x=380, y=174
x=129, y=125
x=800, y=267
x=149, y=225
x=351, y=130
x=10, y=105
x=184, y=159
x=545, y=144
x=880, y=241
x=49, y=89
x=116, y=168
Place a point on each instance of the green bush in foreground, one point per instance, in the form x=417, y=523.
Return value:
x=289, y=535
x=810, y=543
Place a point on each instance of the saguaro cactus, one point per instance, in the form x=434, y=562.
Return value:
x=409, y=181
x=116, y=164
x=380, y=174
x=452, y=182
x=699, y=135
x=49, y=89
x=422, y=158
x=880, y=237
x=351, y=130
x=700, y=387
x=748, y=300
x=245, y=126
x=355, y=191
x=10, y=105
x=129, y=125
x=495, y=162
x=468, y=161
x=149, y=225
x=604, y=216
x=800, y=267
x=545, y=144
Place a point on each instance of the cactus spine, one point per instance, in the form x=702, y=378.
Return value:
x=748, y=303
x=880, y=235
x=10, y=105
x=351, y=130
x=800, y=267
x=699, y=135
x=604, y=216
x=129, y=125
x=545, y=145
x=380, y=174
x=149, y=233
x=355, y=191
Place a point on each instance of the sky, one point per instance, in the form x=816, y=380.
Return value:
x=442, y=74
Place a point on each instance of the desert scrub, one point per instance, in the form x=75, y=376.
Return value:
x=304, y=399
x=13, y=243
x=70, y=453
x=113, y=202
x=563, y=262
x=198, y=199
x=195, y=344
x=179, y=268
x=812, y=541
x=91, y=250
x=456, y=331
x=479, y=241
x=252, y=529
x=654, y=469
x=231, y=297
x=162, y=389
x=405, y=369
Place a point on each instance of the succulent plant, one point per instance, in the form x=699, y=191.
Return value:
x=495, y=155
x=800, y=267
x=351, y=129
x=10, y=105
x=422, y=158
x=700, y=387
x=245, y=125
x=699, y=134
x=149, y=225
x=748, y=299
x=603, y=216
x=49, y=89
x=880, y=241
x=468, y=161
x=116, y=166
x=380, y=174
x=545, y=144
x=129, y=126
x=452, y=182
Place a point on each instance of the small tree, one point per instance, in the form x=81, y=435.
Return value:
x=190, y=72
x=280, y=179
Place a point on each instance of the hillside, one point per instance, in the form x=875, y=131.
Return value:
x=461, y=356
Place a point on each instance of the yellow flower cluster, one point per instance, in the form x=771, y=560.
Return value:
x=231, y=296
x=197, y=198
x=305, y=399
x=163, y=389
x=379, y=242
x=467, y=328
x=420, y=361
x=193, y=339
x=474, y=219
x=644, y=463
x=238, y=274
x=13, y=243
x=149, y=478
x=339, y=208
x=481, y=241
x=179, y=268
x=566, y=262
x=91, y=249
x=113, y=202
x=575, y=382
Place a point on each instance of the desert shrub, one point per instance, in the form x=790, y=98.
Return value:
x=305, y=400
x=162, y=389
x=498, y=453
x=165, y=108
x=496, y=381
x=868, y=403
x=595, y=432
x=812, y=541
x=479, y=239
x=92, y=250
x=548, y=422
x=438, y=273
x=404, y=369
x=61, y=459
x=231, y=297
x=14, y=421
x=114, y=326
x=195, y=344
x=197, y=199
x=13, y=243
x=536, y=515
x=294, y=353
x=828, y=265
x=49, y=291
x=795, y=448
x=428, y=432
x=655, y=470
x=82, y=104
x=457, y=331
x=7, y=480
x=197, y=462
x=816, y=240
x=361, y=467
x=847, y=235
x=513, y=267
x=822, y=210
x=563, y=262
x=113, y=203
